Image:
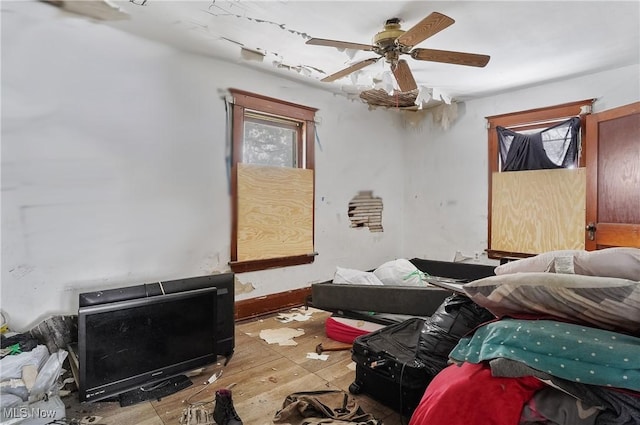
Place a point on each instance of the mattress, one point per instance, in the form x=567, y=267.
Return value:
x=421, y=301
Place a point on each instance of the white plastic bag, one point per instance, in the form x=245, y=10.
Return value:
x=355, y=277
x=43, y=396
x=11, y=366
x=47, y=379
x=400, y=272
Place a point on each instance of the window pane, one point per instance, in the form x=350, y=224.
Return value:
x=269, y=144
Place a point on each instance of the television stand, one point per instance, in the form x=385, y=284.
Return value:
x=154, y=391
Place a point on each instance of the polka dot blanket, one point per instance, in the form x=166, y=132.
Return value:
x=573, y=352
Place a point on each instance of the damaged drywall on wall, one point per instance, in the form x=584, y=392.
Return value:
x=365, y=210
x=243, y=288
x=443, y=116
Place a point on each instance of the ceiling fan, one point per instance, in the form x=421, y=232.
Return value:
x=393, y=41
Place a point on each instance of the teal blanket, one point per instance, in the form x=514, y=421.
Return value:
x=574, y=352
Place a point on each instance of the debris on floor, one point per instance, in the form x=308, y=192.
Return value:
x=281, y=336
x=316, y=356
x=197, y=415
x=300, y=314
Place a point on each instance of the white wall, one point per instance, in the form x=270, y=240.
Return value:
x=446, y=174
x=113, y=166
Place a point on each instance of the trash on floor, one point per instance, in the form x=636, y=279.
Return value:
x=300, y=314
x=281, y=336
x=197, y=415
x=316, y=356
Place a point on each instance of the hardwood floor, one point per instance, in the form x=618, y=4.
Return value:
x=261, y=375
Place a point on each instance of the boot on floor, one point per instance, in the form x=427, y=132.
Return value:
x=224, y=413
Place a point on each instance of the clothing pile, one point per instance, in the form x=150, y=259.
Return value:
x=564, y=350
x=29, y=375
x=323, y=407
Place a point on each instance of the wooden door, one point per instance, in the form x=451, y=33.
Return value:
x=613, y=178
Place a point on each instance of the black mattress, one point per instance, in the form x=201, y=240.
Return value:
x=356, y=300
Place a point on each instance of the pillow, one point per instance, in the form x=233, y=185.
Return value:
x=538, y=263
x=620, y=262
x=604, y=302
x=623, y=263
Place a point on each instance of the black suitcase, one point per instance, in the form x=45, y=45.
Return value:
x=387, y=368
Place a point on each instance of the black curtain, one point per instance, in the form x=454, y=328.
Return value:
x=553, y=147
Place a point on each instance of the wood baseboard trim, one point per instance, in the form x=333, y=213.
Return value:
x=254, y=307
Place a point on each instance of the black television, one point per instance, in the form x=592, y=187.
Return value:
x=137, y=342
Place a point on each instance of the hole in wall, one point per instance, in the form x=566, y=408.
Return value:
x=365, y=210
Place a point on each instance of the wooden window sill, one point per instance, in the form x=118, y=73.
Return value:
x=270, y=263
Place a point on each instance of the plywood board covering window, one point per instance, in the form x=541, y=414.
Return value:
x=275, y=218
x=539, y=219
x=273, y=206
x=538, y=211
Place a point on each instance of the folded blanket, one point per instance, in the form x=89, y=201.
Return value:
x=573, y=352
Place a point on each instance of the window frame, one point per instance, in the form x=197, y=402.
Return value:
x=528, y=120
x=257, y=118
x=245, y=101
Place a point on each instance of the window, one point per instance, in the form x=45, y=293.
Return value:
x=272, y=182
x=270, y=141
x=527, y=122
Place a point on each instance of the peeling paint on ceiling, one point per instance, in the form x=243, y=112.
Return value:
x=529, y=42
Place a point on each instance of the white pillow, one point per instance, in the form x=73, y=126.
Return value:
x=537, y=264
x=619, y=262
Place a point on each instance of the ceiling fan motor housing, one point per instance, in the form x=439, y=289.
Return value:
x=386, y=38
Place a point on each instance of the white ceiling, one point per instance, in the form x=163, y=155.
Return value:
x=530, y=42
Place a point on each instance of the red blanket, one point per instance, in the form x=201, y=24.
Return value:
x=469, y=395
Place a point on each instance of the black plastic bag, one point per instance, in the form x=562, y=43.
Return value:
x=457, y=316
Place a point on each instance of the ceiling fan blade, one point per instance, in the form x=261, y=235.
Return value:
x=339, y=44
x=349, y=70
x=445, y=56
x=432, y=24
x=404, y=77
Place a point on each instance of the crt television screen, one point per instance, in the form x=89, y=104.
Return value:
x=127, y=344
